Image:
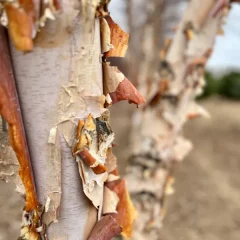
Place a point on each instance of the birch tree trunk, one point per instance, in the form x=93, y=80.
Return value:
x=65, y=62
x=157, y=139
x=148, y=33
x=60, y=86
x=64, y=85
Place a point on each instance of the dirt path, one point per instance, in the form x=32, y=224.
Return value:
x=206, y=205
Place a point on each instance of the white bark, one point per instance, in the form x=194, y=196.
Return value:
x=64, y=54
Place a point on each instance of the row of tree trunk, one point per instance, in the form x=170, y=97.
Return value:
x=61, y=80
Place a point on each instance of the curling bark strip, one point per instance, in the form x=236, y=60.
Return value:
x=117, y=88
x=25, y=17
x=11, y=112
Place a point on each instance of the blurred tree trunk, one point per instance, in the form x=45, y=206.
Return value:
x=148, y=33
x=170, y=80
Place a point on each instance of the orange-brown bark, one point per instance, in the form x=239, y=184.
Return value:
x=119, y=40
x=24, y=19
x=126, y=212
x=19, y=27
x=126, y=91
x=10, y=110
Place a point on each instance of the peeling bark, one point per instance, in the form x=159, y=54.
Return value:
x=60, y=85
x=119, y=39
x=106, y=228
x=9, y=166
x=170, y=98
x=25, y=17
x=11, y=112
x=63, y=87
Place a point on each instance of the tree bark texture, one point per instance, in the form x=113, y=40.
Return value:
x=65, y=82
x=147, y=35
x=65, y=54
x=170, y=96
x=63, y=86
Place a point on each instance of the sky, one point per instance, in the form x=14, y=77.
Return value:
x=226, y=54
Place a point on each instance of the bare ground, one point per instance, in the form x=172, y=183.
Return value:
x=206, y=204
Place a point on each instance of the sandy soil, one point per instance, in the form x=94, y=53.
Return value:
x=206, y=204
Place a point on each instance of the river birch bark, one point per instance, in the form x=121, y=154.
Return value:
x=65, y=83
x=66, y=57
x=170, y=95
